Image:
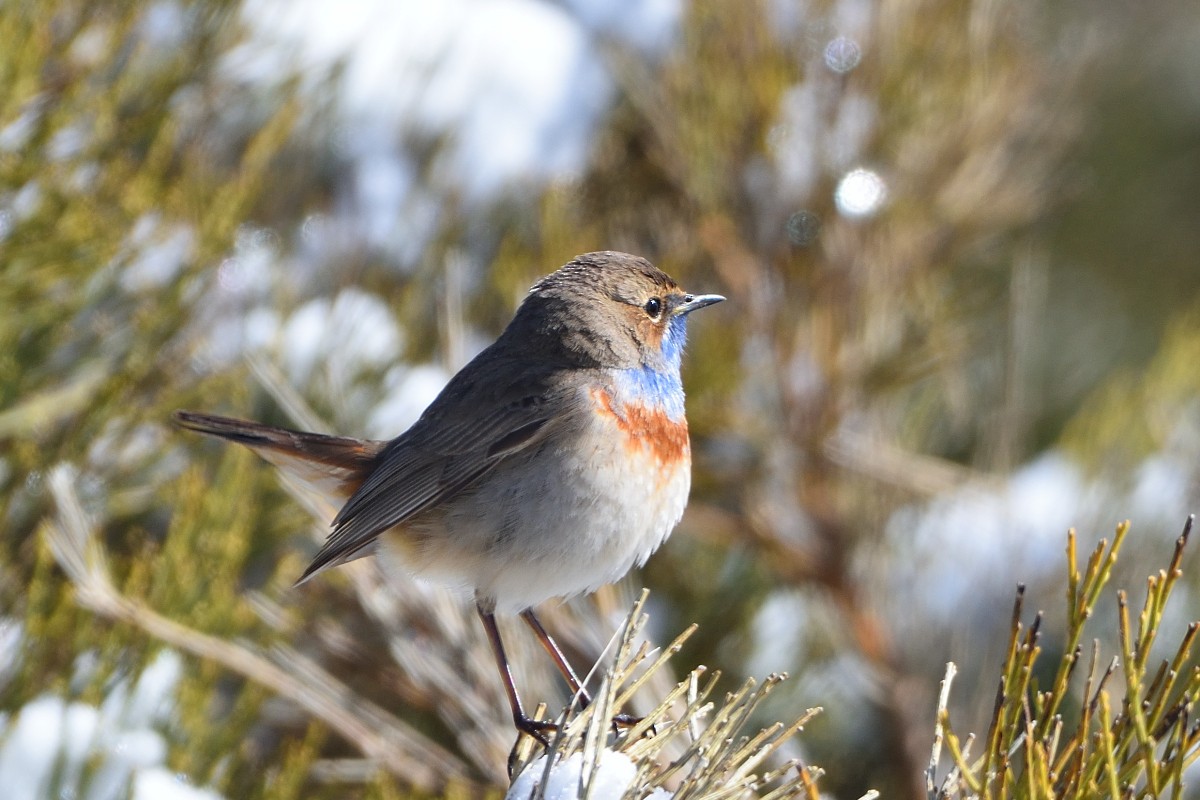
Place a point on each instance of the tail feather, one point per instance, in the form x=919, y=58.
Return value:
x=331, y=466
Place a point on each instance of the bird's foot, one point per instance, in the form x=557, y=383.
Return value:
x=619, y=720
x=537, y=728
x=534, y=728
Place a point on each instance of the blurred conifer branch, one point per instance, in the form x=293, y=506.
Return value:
x=1128, y=740
x=378, y=735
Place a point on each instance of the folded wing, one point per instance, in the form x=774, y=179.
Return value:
x=474, y=425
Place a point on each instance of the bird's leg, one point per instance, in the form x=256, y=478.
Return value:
x=535, y=728
x=564, y=667
x=556, y=653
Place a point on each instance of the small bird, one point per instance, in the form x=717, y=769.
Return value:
x=550, y=465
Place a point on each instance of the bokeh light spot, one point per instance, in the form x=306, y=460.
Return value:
x=842, y=54
x=231, y=276
x=860, y=193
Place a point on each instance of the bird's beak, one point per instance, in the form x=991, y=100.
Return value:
x=691, y=302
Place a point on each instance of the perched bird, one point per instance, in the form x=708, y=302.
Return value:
x=550, y=465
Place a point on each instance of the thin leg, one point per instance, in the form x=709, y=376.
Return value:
x=564, y=666
x=535, y=728
x=556, y=653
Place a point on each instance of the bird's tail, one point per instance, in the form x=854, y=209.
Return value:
x=333, y=467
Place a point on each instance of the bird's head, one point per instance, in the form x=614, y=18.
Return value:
x=611, y=309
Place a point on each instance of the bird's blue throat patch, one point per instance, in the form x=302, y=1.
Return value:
x=659, y=388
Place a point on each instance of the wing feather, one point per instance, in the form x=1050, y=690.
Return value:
x=454, y=443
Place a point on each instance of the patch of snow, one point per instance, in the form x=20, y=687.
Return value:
x=161, y=784
x=979, y=542
x=354, y=331
x=613, y=777
x=156, y=254
x=55, y=748
x=408, y=391
x=11, y=633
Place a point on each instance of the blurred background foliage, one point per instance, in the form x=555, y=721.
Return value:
x=905, y=403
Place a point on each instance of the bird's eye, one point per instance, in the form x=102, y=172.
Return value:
x=653, y=308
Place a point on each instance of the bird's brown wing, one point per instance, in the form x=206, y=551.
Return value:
x=482, y=417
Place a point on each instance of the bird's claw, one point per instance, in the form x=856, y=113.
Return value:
x=630, y=721
x=536, y=728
